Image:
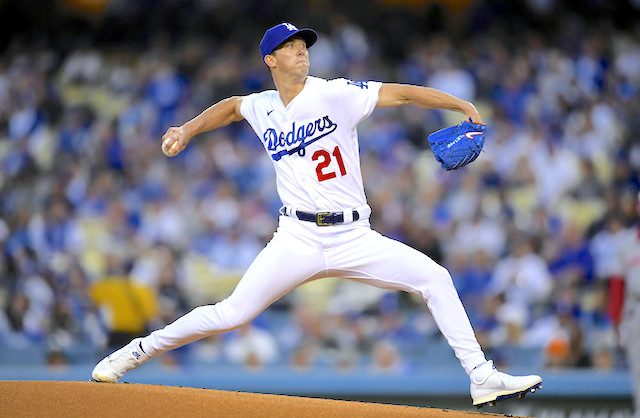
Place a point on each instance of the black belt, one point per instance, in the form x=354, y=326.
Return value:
x=323, y=218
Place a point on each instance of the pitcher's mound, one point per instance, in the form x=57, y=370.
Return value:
x=88, y=399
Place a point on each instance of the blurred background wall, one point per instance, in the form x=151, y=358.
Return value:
x=103, y=238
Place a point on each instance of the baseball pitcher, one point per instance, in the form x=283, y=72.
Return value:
x=308, y=129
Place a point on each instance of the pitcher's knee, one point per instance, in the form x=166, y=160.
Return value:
x=434, y=280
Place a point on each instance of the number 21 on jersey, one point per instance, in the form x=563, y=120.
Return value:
x=324, y=159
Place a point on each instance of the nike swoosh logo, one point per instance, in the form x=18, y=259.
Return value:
x=470, y=135
x=502, y=385
x=269, y=111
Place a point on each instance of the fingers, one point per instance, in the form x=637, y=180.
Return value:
x=172, y=132
x=170, y=147
x=472, y=113
x=172, y=142
x=475, y=118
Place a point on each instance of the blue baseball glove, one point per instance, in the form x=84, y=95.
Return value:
x=457, y=146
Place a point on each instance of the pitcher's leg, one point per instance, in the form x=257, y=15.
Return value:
x=390, y=264
x=275, y=272
x=292, y=257
x=386, y=263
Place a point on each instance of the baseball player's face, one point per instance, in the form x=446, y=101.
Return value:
x=293, y=56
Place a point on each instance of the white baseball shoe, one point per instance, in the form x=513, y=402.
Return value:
x=115, y=365
x=489, y=386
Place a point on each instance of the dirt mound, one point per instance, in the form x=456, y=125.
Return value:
x=87, y=399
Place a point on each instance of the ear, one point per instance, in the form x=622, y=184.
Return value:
x=270, y=60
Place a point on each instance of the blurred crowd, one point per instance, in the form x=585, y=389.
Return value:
x=103, y=238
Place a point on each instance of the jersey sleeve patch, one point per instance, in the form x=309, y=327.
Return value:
x=361, y=84
x=357, y=98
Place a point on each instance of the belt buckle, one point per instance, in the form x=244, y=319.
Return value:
x=321, y=218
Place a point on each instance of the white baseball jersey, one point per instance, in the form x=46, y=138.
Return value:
x=313, y=141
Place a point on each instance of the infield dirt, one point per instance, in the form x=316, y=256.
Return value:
x=88, y=399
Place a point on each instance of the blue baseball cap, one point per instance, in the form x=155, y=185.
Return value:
x=279, y=33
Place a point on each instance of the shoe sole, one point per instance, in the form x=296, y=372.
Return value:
x=102, y=381
x=491, y=400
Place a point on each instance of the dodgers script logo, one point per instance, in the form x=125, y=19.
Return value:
x=298, y=137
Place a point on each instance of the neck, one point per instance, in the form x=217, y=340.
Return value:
x=288, y=87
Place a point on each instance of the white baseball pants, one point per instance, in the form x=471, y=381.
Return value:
x=302, y=251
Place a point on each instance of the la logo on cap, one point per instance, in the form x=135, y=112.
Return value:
x=290, y=26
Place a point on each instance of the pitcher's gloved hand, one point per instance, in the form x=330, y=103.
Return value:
x=457, y=146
